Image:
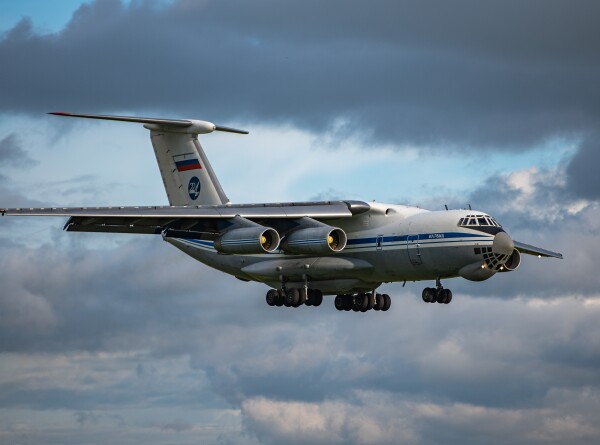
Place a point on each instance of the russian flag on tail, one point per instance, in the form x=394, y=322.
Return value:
x=188, y=164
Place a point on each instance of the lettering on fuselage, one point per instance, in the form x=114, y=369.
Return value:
x=436, y=235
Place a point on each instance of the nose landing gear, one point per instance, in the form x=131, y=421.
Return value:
x=437, y=294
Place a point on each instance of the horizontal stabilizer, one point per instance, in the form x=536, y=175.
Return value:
x=205, y=127
x=537, y=251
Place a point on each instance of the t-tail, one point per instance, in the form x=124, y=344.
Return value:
x=186, y=172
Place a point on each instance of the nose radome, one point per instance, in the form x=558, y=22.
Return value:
x=503, y=244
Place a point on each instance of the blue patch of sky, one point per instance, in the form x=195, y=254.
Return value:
x=408, y=175
x=47, y=16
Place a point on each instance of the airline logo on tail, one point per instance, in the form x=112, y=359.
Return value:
x=194, y=187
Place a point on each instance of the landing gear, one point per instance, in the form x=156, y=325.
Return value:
x=294, y=297
x=437, y=294
x=363, y=302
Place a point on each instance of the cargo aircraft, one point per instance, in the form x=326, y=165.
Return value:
x=301, y=250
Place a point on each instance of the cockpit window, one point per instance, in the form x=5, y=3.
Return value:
x=477, y=220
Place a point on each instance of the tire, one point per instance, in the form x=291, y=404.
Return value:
x=448, y=296
x=387, y=302
x=272, y=297
x=292, y=296
x=348, y=302
x=339, y=302
x=370, y=301
x=361, y=301
x=428, y=295
x=316, y=297
x=379, y=300
x=301, y=297
x=280, y=298
x=440, y=296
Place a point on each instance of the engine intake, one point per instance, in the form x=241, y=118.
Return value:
x=248, y=240
x=513, y=262
x=315, y=240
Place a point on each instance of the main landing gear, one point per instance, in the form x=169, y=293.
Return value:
x=363, y=302
x=294, y=297
x=437, y=294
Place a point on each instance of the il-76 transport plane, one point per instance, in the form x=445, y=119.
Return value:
x=302, y=250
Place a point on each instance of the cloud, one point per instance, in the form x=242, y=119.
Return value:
x=582, y=171
x=12, y=153
x=491, y=76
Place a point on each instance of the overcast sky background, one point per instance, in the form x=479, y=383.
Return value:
x=123, y=339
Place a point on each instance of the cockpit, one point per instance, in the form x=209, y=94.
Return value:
x=478, y=221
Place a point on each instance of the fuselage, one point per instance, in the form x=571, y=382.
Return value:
x=388, y=243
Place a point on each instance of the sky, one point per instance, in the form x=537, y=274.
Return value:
x=123, y=339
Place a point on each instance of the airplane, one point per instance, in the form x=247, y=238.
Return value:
x=301, y=250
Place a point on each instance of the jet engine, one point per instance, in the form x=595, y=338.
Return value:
x=513, y=262
x=248, y=240
x=318, y=240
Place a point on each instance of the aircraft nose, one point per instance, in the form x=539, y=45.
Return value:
x=503, y=244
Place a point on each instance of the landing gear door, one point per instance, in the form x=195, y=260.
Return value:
x=414, y=250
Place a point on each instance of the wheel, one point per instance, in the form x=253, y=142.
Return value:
x=280, y=298
x=348, y=302
x=440, y=296
x=379, y=300
x=370, y=301
x=316, y=297
x=272, y=297
x=292, y=296
x=428, y=295
x=448, y=296
x=361, y=301
x=339, y=302
x=387, y=302
x=301, y=297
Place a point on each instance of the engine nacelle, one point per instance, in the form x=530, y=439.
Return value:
x=248, y=240
x=319, y=240
x=477, y=271
x=513, y=262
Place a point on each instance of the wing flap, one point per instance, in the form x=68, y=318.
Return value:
x=537, y=251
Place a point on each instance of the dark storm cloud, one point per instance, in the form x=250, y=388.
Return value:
x=583, y=169
x=463, y=73
x=12, y=153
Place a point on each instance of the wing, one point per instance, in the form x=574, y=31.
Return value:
x=532, y=250
x=188, y=219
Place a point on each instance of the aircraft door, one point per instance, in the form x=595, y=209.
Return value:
x=414, y=250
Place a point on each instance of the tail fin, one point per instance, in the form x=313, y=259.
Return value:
x=186, y=172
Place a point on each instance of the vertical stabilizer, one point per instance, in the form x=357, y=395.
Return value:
x=186, y=172
x=188, y=176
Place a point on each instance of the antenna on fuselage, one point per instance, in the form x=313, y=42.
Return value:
x=469, y=206
x=446, y=205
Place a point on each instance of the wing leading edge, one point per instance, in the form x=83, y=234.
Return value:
x=155, y=219
x=537, y=251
